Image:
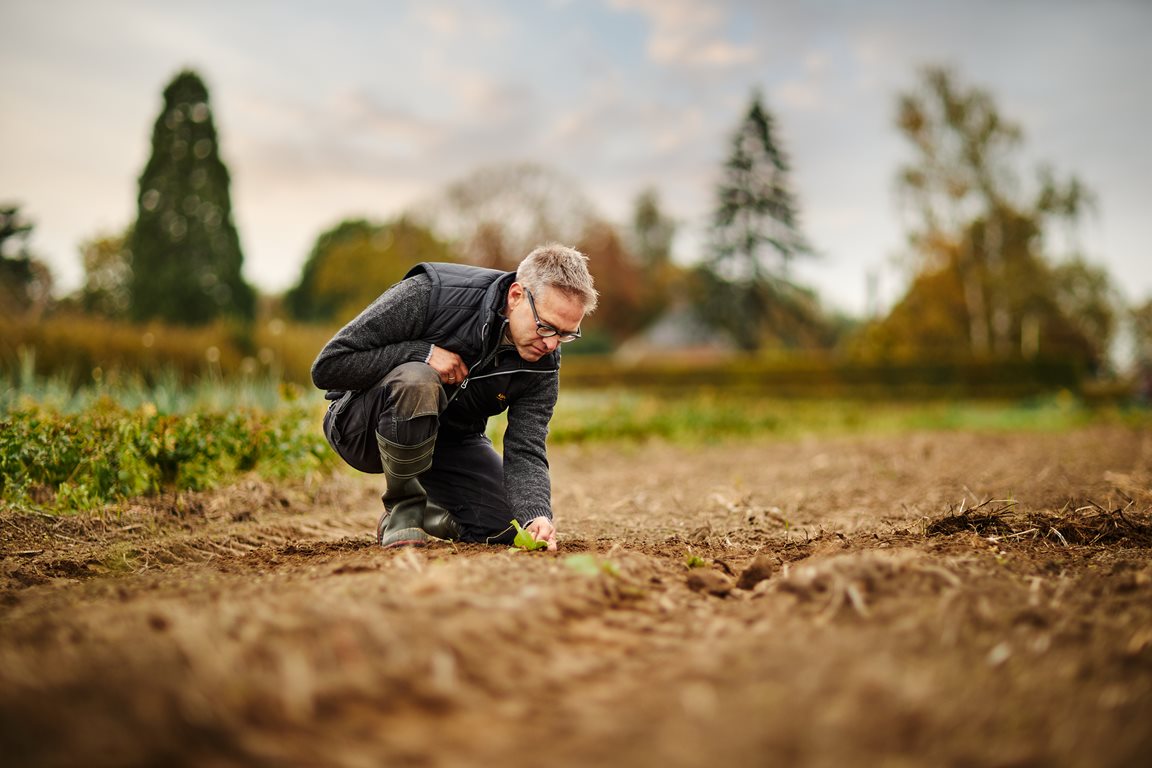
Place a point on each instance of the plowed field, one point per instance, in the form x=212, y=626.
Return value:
x=930, y=599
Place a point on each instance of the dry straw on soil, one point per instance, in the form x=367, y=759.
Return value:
x=1086, y=524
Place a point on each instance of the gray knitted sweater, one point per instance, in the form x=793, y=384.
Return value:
x=387, y=334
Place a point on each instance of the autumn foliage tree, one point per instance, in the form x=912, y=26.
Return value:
x=354, y=262
x=932, y=320
x=496, y=215
x=107, y=288
x=985, y=285
x=618, y=280
x=1140, y=322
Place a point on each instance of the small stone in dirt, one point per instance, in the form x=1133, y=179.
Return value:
x=760, y=569
x=709, y=581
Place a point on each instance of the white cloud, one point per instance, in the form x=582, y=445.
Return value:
x=687, y=33
x=462, y=25
x=446, y=22
x=810, y=91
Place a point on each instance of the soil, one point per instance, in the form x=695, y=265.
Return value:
x=932, y=599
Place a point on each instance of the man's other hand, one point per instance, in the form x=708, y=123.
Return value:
x=448, y=365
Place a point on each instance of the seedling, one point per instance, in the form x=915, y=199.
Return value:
x=589, y=565
x=525, y=540
x=695, y=561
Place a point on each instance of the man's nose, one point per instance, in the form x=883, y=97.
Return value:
x=552, y=342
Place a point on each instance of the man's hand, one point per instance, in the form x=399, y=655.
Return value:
x=448, y=365
x=543, y=530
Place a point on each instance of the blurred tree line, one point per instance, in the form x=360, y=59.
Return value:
x=987, y=279
x=25, y=281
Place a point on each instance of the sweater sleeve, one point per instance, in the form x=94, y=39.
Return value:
x=386, y=334
x=526, y=476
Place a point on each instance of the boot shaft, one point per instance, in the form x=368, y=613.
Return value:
x=405, y=461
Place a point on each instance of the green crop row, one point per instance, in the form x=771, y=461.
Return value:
x=60, y=462
x=810, y=378
x=589, y=416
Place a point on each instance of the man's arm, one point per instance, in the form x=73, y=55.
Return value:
x=383, y=336
x=526, y=459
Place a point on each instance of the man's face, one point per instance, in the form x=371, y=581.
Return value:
x=553, y=307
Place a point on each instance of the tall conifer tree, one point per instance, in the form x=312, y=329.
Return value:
x=755, y=237
x=186, y=257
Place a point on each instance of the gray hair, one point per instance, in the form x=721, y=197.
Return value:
x=560, y=267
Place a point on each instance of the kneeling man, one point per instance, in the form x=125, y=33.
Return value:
x=414, y=378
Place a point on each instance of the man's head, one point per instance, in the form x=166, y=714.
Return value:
x=552, y=294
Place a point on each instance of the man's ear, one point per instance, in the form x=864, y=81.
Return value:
x=515, y=295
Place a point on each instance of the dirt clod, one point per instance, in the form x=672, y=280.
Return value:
x=709, y=581
x=757, y=571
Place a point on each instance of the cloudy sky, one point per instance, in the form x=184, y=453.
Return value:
x=363, y=107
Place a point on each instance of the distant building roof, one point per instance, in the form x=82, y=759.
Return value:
x=679, y=332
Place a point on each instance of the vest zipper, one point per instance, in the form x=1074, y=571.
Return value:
x=506, y=373
x=483, y=362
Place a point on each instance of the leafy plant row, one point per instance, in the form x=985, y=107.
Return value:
x=807, y=377
x=72, y=462
x=589, y=415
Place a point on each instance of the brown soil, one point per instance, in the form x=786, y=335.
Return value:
x=936, y=599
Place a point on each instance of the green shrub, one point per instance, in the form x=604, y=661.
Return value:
x=82, y=350
x=64, y=462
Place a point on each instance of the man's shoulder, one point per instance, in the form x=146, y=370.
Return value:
x=416, y=287
x=441, y=270
x=408, y=297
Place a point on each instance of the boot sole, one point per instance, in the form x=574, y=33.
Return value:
x=406, y=537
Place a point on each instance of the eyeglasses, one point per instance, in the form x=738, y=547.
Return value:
x=547, y=331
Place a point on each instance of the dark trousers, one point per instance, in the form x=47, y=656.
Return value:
x=467, y=474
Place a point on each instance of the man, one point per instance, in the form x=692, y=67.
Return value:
x=415, y=376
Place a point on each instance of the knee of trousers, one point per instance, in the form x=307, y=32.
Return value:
x=414, y=390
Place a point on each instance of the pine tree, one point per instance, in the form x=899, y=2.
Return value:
x=652, y=231
x=25, y=281
x=755, y=238
x=186, y=252
x=652, y=235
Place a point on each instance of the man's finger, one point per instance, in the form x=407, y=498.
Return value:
x=548, y=534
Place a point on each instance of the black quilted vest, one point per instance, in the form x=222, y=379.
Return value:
x=465, y=316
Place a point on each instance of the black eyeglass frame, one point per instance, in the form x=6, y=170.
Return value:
x=546, y=331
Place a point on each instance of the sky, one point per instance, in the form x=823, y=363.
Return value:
x=363, y=108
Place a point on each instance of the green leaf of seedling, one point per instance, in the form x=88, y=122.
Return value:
x=525, y=540
x=589, y=565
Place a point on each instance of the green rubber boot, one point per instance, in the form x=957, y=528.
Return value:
x=405, y=500
x=439, y=523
